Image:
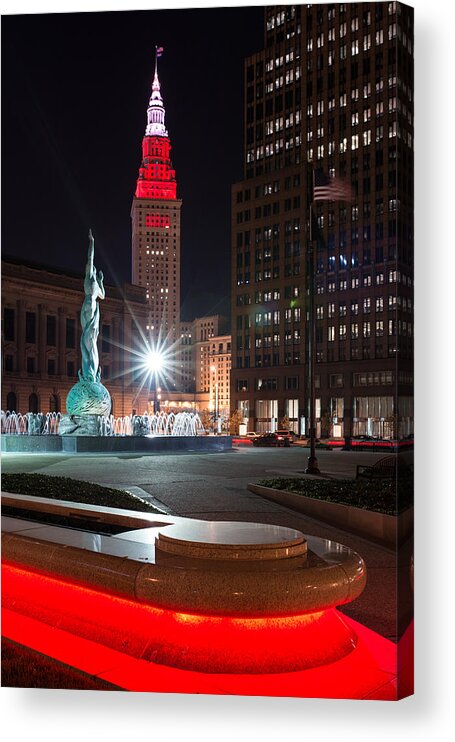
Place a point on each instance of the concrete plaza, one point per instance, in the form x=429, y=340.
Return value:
x=214, y=487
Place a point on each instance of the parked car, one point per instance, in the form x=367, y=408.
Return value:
x=252, y=436
x=271, y=439
x=289, y=434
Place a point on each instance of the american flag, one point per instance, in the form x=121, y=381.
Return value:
x=330, y=189
x=159, y=51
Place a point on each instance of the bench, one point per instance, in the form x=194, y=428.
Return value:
x=388, y=466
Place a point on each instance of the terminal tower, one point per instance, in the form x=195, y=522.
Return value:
x=155, y=215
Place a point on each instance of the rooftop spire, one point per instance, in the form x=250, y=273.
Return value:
x=155, y=111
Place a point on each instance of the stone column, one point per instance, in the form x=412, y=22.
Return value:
x=21, y=364
x=61, y=341
x=42, y=340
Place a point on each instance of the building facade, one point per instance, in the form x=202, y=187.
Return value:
x=206, y=363
x=219, y=358
x=41, y=340
x=155, y=215
x=331, y=92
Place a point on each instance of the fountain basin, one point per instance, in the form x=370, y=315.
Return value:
x=114, y=444
x=227, y=609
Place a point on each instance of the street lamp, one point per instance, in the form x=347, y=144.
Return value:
x=313, y=466
x=154, y=361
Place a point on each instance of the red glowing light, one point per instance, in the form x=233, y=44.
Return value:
x=157, y=220
x=125, y=643
x=156, y=175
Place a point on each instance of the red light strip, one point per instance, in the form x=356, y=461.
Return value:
x=74, y=624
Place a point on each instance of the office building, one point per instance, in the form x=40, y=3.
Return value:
x=329, y=96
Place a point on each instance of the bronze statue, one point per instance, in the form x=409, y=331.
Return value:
x=90, y=317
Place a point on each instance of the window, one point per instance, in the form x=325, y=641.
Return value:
x=8, y=323
x=331, y=333
x=30, y=327
x=33, y=403
x=11, y=401
x=51, y=366
x=70, y=333
x=51, y=327
x=291, y=383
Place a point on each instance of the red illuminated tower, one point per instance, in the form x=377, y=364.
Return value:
x=155, y=215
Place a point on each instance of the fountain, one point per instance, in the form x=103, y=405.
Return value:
x=162, y=431
x=88, y=425
x=170, y=603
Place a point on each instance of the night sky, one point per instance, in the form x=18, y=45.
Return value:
x=75, y=89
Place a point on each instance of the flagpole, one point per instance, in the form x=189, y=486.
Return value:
x=312, y=466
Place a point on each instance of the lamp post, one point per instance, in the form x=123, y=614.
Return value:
x=312, y=467
x=154, y=364
x=214, y=370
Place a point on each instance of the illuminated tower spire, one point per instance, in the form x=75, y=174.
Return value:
x=155, y=215
x=155, y=111
x=156, y=176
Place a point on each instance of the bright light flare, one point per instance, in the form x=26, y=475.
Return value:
x=154, y=360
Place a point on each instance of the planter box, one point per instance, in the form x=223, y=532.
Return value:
x=388, y=530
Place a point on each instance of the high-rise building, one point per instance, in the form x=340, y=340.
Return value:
x=331, y=95
x=155, y=215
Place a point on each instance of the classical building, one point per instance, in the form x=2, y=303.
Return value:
x=41, y=339
x=328, y=100
x=155, y=215
x=206, y=362
x=219, y=358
